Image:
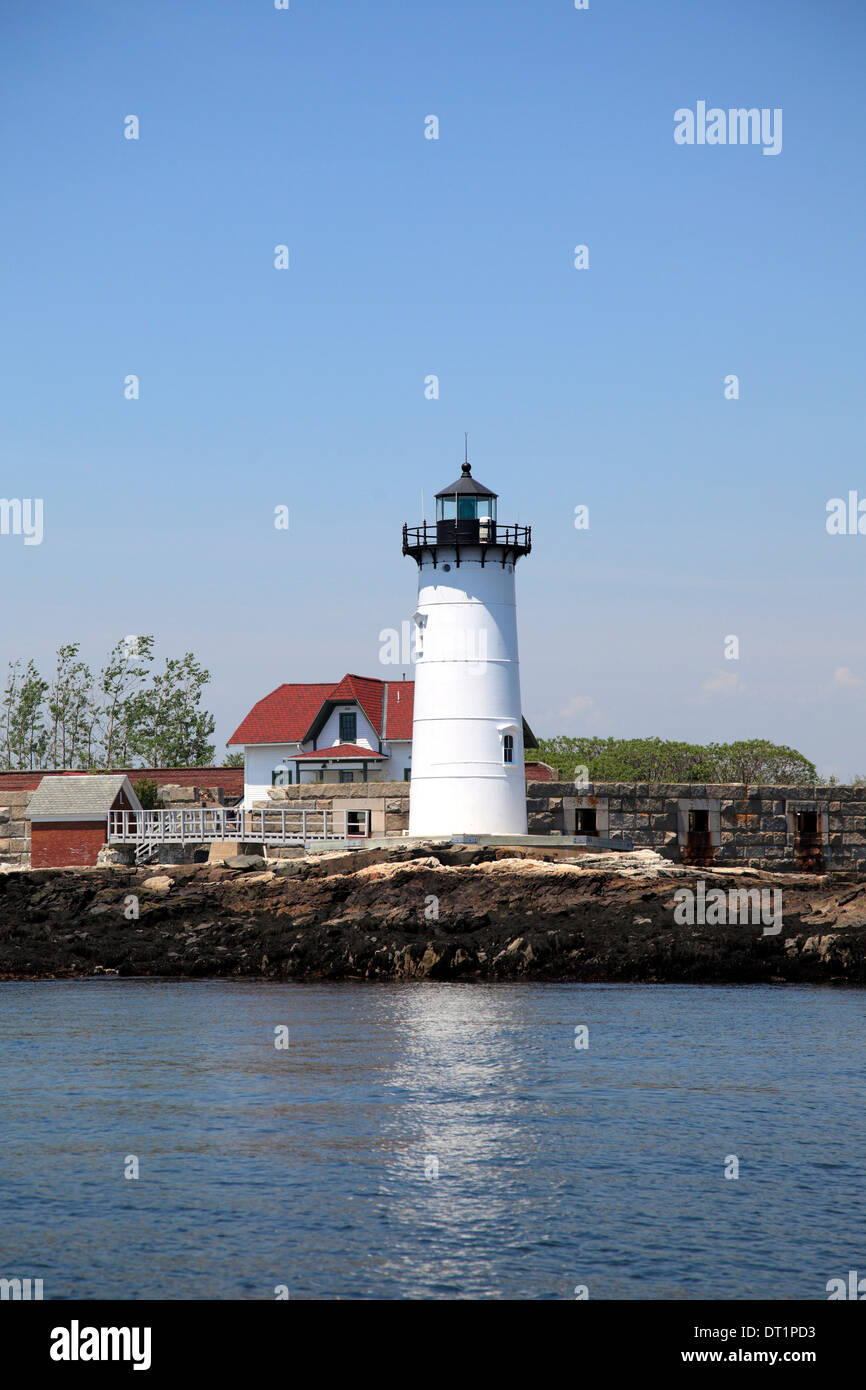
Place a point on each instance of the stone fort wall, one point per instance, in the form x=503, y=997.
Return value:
x=765, y=826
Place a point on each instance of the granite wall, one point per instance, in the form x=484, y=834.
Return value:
x=387, y=802
x=761, y=825
x=14, y=828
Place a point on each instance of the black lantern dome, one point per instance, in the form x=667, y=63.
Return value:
x=466, y=516
x=462, y=505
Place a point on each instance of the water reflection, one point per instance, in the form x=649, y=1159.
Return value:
x=308, y=1167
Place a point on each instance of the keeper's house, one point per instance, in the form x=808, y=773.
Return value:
x=68, y=817
x=359, y=730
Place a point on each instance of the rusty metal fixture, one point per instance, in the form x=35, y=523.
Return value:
x=809, y=851
x=699, y=848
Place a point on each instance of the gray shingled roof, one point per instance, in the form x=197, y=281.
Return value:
x=68, y=796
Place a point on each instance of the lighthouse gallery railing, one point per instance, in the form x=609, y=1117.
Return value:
x=472, y=532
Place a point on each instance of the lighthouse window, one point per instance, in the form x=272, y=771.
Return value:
x=466, y=509
x=487, y=507
x=348, y=727
x=508, y=748
x=446, y=508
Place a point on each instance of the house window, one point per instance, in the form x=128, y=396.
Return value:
x=807, y=822
x=281, y=777
x=348, y=726
x=508, y=748
x=699, y=821
x=347, y=776
x=407, y=774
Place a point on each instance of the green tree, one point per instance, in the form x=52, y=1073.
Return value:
x=667, y=760
x=169, y=728
x=651, y=760
x=233, y=760
x=758, y=760
x=119, y=686
x=70, y=705
x=25, y=736
x=83, y=717
x=566, y=753
x=147, y=792
x=10, y=704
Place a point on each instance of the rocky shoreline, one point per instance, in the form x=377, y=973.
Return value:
x=438, y=913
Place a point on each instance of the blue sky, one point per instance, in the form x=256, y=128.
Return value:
x=453, y=257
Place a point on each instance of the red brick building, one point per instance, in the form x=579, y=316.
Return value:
x=68, y=817
x=541, y=772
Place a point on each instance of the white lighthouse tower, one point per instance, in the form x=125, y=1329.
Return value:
x=467, y=734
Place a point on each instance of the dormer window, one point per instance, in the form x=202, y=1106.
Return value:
x=348, y=726
x=507, y=734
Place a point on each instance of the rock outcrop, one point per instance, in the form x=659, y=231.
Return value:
x=441, y=913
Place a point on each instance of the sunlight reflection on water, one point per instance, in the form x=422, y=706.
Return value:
x=307, y=1166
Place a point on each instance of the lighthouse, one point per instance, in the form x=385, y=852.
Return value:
x=467, y=733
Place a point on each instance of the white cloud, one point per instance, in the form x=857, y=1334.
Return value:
x=843, y=675
x=581, y=704
x=723, y=683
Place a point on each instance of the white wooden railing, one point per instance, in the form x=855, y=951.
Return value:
x=198, y=824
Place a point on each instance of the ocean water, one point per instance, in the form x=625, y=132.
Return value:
x=430, y=1140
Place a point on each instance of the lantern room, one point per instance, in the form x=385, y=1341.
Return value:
x=465, y=511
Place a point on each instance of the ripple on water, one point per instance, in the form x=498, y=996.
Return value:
x=307, y=1167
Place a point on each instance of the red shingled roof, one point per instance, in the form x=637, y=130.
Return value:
x=289, y=713
x=367, y=691
x=341, y=750
x=401, y=703
x=283, y=716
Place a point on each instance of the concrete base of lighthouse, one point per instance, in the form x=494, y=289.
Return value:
x=550, y=844
x=485, y=805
